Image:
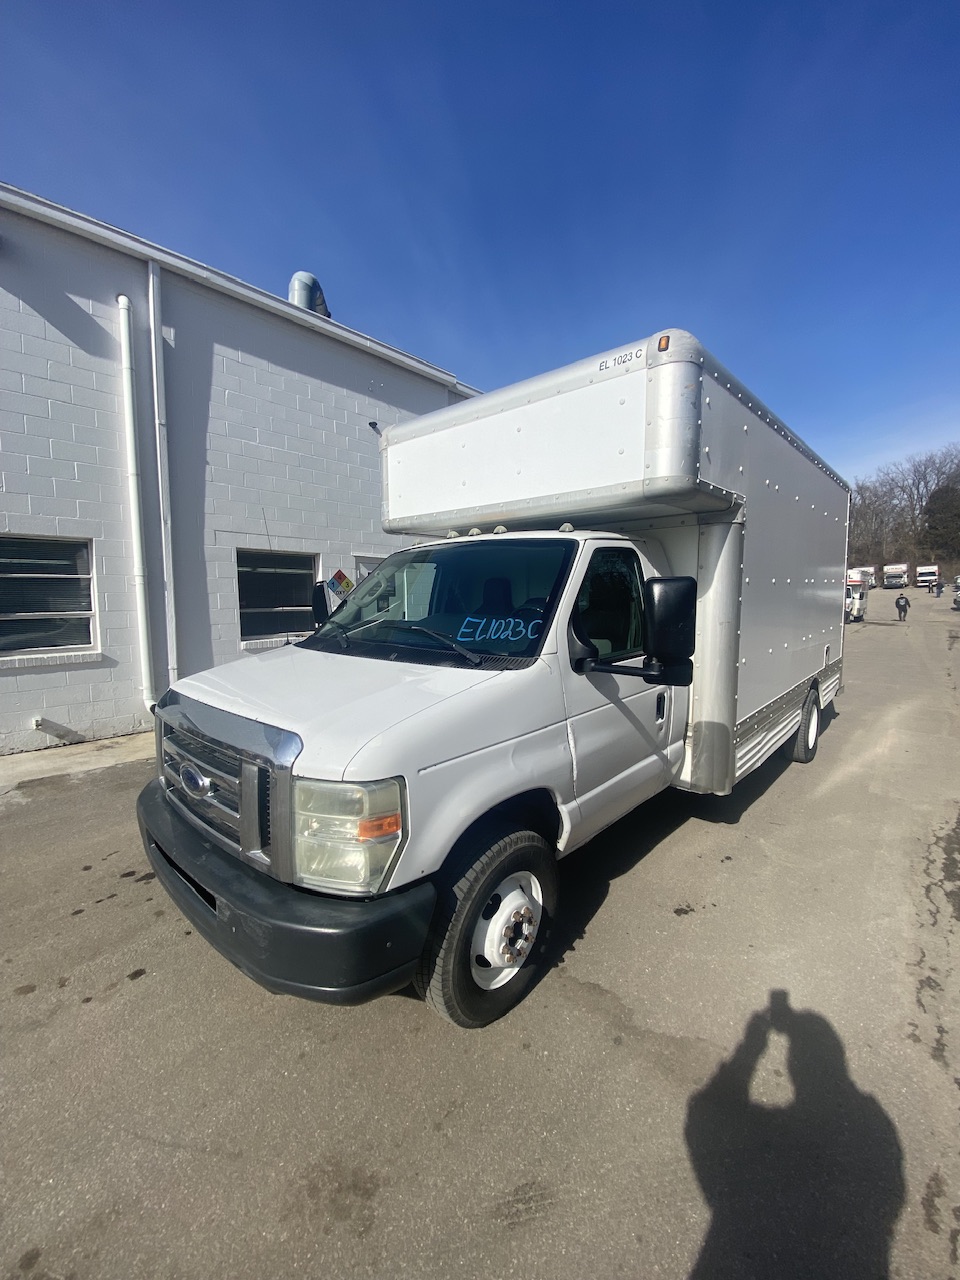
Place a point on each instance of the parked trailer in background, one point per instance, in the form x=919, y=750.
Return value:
x=633, y=579
x=896, y=576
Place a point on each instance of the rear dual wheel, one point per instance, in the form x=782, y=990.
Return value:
x=488, y=937
x=802, y=747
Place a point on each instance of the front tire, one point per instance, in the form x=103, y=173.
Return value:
x=487, y=941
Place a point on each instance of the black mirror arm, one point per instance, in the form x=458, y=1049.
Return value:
x=598, y=667
x=652, y=671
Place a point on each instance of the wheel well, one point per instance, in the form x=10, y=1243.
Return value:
x=530, y=811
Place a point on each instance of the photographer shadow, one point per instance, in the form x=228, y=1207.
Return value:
x=812, y=1189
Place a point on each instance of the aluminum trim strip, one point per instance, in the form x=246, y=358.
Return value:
x=793, y=698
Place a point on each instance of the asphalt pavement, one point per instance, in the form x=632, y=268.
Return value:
x=743, y=1052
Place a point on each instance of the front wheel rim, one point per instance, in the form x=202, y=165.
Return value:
x=506, y=930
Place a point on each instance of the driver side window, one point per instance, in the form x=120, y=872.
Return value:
x=609, y=603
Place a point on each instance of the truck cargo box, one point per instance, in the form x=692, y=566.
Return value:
x=658, y=438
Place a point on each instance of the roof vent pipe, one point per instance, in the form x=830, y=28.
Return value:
x=305, y=292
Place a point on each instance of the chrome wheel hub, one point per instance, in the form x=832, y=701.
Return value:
x=506, y=931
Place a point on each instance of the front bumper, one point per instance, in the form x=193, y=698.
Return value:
x=337, y=950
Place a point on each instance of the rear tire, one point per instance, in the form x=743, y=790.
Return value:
x=487, y=940
x=803, y=746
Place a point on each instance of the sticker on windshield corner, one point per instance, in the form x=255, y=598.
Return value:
x=340, y=584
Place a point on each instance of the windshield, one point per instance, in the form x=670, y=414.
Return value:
x=482, y=603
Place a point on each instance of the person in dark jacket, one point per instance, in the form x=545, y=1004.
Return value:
x=903, y=604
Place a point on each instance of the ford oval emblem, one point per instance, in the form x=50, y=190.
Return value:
x=194, y=783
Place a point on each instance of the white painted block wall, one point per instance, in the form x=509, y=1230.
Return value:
x=61, y=469
x=268, y=444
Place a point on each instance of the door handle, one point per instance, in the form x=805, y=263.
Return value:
x=661, y=705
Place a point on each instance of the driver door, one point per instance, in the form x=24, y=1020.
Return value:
x=620, y=728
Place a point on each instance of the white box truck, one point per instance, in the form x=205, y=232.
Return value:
x=928, y=575
x=858, y=588
x=632, y=577
x=896, y=576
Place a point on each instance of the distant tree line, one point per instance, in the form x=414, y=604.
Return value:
x=909, y=511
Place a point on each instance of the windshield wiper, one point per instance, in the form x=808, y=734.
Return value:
x=447, y=640
x=343, y=632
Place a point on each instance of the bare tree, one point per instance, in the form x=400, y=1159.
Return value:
x=889, y=512
x=910, y=485
x=875, y=535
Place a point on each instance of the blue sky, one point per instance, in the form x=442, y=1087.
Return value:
x=502, y=188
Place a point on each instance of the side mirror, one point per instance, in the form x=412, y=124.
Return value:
x=318, y=603
x=670, y=630
x=669, y=636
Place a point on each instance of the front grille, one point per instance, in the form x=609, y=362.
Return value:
x=232, y=800
x=231, y=778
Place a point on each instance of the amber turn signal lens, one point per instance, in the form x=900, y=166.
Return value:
x=375, y=828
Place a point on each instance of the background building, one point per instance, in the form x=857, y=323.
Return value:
x=181, y=457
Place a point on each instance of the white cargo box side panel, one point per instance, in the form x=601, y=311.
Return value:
x=602, y=442
x=794, y=548
x=513, y=460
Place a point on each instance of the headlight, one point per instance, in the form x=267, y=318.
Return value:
x=345, y=833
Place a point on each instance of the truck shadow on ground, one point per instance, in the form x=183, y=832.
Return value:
x=586, y=876
x=809, y=1189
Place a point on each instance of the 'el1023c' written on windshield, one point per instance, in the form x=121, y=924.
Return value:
x=506, y=629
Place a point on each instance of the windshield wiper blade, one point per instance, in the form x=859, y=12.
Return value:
x=343, y=631
x=474, y=658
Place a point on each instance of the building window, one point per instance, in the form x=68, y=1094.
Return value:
x=275, y=590
x=46, y=597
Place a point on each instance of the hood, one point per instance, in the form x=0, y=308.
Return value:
x=335, y=702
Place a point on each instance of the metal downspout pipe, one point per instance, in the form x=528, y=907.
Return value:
x=133, y=490
x=163, y=469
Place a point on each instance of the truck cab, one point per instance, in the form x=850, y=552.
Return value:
x=469, y=688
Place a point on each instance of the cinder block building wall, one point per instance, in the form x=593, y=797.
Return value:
x=181, y=456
